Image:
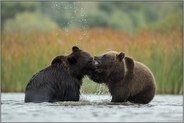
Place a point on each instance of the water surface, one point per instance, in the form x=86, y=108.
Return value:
x=168, y=108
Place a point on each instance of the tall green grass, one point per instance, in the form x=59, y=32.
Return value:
x=24, y=54
x=169, y=73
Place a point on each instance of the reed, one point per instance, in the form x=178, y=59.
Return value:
x=24, y=54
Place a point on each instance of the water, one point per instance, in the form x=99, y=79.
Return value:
x=92, y=108
x=75, y=14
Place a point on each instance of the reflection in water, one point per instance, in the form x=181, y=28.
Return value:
x=91, y=108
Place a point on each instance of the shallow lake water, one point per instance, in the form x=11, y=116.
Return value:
x=168, y=108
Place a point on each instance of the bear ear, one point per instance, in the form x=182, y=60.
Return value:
x=56, y=60
x=120, y=56
x=129, y=63
x=75, y=49
x=72, y=60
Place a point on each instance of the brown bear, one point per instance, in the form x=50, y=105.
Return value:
x=127, y=80
x=61, y=80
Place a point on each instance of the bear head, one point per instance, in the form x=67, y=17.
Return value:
x=83, y=60
x=80, y=62
x=109, y=66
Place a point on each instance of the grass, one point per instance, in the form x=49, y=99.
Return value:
x=24, y=54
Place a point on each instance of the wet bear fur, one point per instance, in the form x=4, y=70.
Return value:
x=127, y=80
x=61, y=81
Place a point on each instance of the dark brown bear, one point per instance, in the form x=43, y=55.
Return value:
x=61, y=80
x=127, y=80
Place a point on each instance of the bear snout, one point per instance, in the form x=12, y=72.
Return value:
x=97, y=61
x=93, y=64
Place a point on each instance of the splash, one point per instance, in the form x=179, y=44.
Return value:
x=71, y=15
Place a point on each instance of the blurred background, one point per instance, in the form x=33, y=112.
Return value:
x=33, y=33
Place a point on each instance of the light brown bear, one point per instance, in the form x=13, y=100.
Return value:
x=127, y=80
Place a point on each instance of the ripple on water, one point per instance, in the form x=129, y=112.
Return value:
x=91, y=108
